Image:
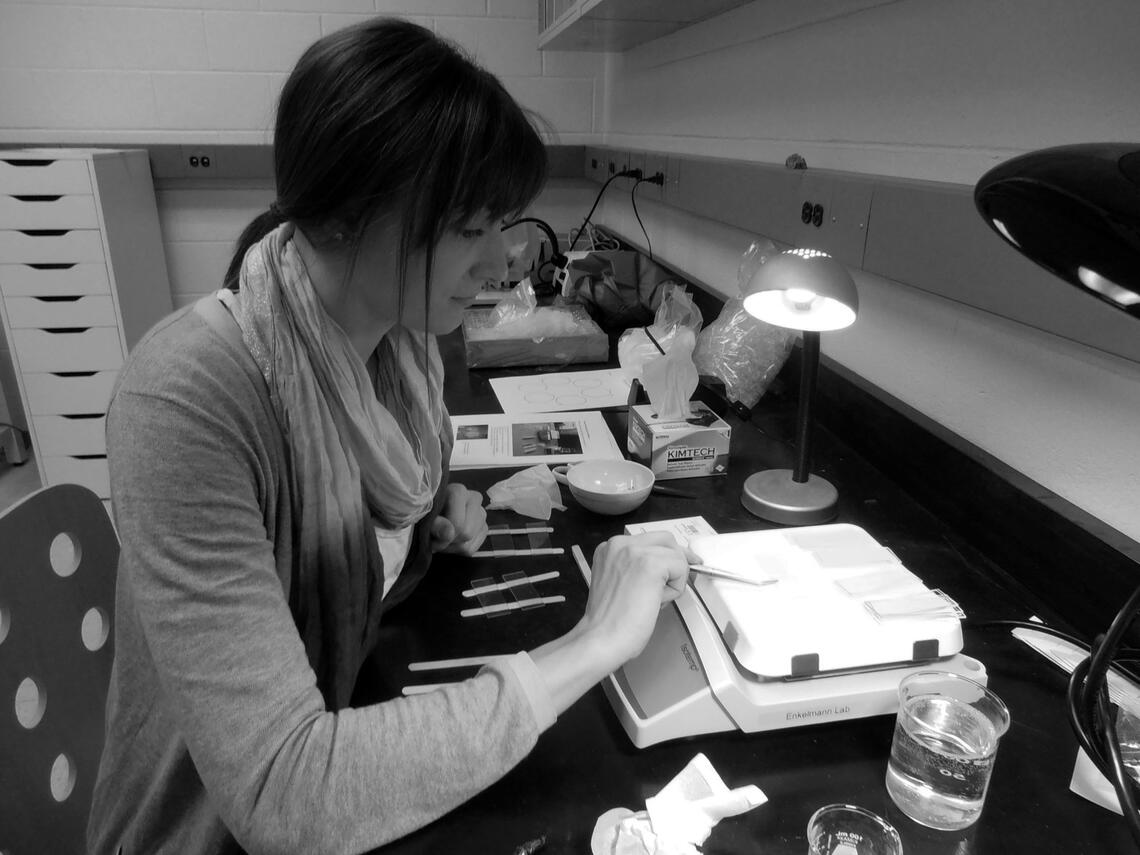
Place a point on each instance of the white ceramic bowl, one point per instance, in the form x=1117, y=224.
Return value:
x=607, y=486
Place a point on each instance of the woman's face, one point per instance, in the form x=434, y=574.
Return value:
x=467, y=256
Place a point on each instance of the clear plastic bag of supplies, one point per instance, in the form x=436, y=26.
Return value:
x=744, y=352
x=516, y=308
x=674, y=329
x=619, y=288
x=519, y=332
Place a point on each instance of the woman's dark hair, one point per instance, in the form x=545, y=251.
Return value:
x=385, y=115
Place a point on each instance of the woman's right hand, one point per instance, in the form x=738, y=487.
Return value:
x=632, y=578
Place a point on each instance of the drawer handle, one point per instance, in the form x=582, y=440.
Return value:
x=52, y=265
x=44, y=232
x=38, y=198
x=83, y=415
x=88, y=456
x=27, y=161
x=59, y=299
x=65, y=330
x=73, y=373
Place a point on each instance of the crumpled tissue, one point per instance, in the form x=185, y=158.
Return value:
x=531, y=492
x=670, y=381
x=678, y=819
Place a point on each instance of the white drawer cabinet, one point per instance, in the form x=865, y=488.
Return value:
x=89, y=310
x=82, y=277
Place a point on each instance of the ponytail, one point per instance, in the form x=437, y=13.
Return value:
x=259, y=227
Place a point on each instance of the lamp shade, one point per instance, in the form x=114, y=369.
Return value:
x=1075, y=210
x=802, y=289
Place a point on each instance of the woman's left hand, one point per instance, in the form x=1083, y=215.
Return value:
x=462, y=523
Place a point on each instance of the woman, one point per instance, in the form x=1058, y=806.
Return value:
x=279, y=476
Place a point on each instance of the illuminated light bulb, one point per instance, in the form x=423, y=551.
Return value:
x=800, y=299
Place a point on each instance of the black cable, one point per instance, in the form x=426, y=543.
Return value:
x=1085, y=682
x=625, y=173
x=633, y=202
x=1091, y=717
x=1106, y=649
x=1121, y=782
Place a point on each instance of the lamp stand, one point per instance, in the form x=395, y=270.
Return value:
x=795, y=496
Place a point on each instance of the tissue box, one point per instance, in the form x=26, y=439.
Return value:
x=588, y=343
x=679, y=448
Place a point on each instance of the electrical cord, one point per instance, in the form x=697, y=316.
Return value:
x=633, y=202
x=1092, y=717
x=1088, y=705
x=625, y=173
x=557, y=258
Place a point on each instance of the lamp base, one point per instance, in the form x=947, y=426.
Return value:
x=773, y=495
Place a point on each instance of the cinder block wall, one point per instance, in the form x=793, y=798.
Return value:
x=208, y=71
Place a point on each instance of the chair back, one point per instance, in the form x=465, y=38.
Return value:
x=58, y=554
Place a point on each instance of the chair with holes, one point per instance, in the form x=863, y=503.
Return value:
x=58, y=553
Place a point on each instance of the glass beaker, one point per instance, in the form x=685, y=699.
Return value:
x=943, y=750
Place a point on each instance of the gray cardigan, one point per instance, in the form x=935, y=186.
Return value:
x=218, y=739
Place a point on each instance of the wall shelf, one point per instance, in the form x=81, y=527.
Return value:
x=618, y=25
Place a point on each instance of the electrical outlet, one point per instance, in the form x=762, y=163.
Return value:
x=671, y=191
x=199, y=160
x=617, y=161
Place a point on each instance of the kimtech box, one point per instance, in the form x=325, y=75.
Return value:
x=680, y=448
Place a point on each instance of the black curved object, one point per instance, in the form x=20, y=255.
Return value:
x=557, y=257
x=1074, y=210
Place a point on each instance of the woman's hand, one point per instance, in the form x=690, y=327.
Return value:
x=461, y=525
x=632, y=578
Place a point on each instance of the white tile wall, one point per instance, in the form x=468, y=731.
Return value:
x=150, y=4
x=100, y=38
x=258, y=41
x=208, y=71
x=330, y=23
x=505, y=46
x=205, y=99
x=50, y=99
x=309, y=6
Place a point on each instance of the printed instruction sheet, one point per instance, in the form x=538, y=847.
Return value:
x=496, y=439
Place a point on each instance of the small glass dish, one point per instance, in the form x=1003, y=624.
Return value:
x=851, y=830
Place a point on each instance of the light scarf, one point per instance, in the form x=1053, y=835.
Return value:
x=359, y=452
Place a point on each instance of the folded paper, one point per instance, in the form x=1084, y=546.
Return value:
x=678, y=819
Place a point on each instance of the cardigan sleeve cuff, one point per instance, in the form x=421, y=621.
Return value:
x=533, y=686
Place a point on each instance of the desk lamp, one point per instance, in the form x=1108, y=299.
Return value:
x=1075, y=210
x=807, y=290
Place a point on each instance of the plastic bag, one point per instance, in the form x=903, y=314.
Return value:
x=519, y=304
x=523, y=243
x=532, y=492
x=619, y=288
x=674, y=328
x=744, y=352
